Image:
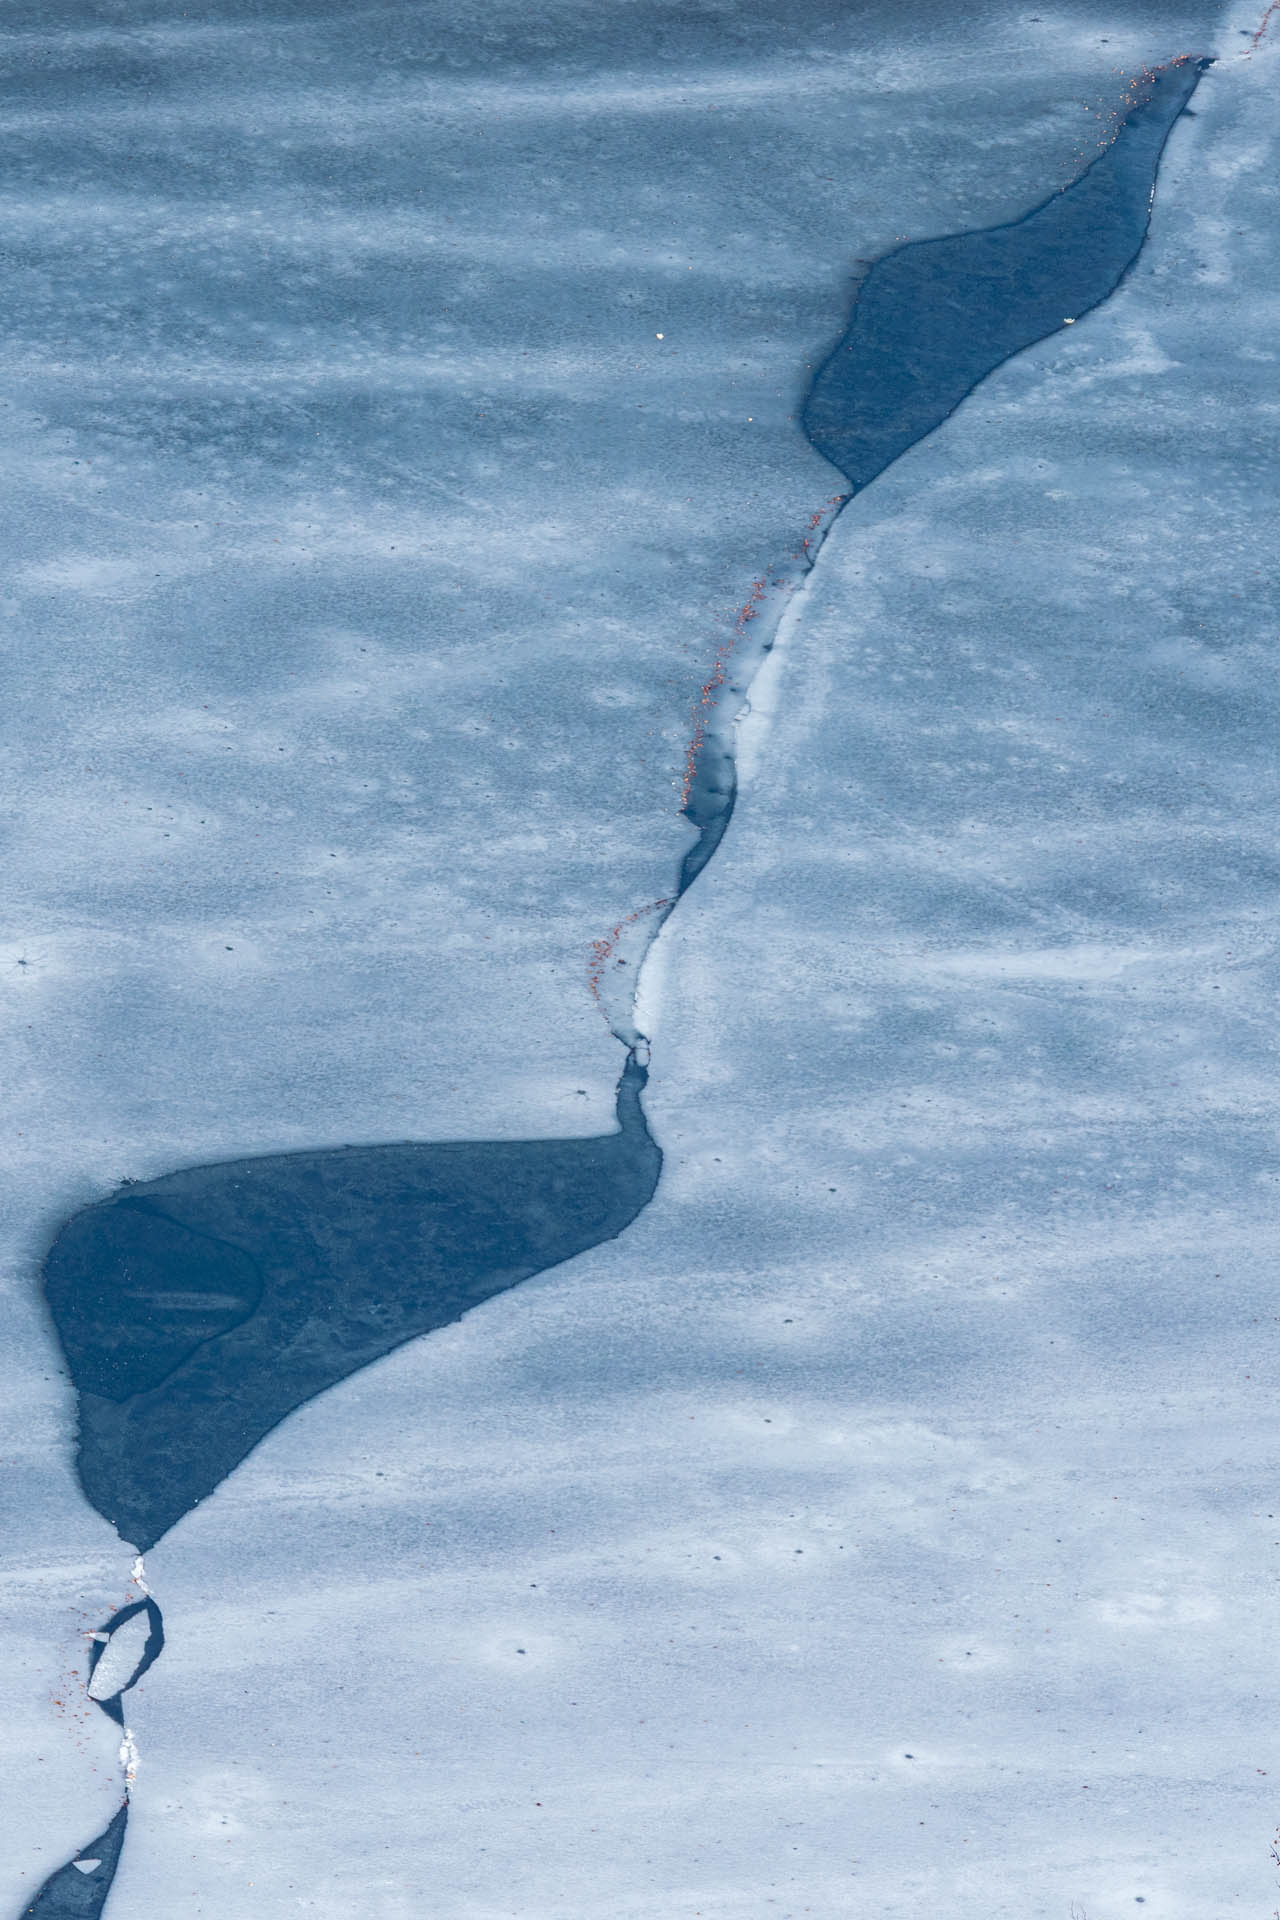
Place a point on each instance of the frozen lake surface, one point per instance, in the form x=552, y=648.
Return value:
x=891, y=1495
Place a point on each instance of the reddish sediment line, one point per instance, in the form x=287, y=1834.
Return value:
x=806, y=552
x=775, y=584
x=1263, y=24
x=602, y=950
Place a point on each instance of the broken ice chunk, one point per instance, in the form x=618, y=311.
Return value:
x=132, y=1642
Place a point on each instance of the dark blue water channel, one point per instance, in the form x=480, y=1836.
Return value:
x=198, y=1310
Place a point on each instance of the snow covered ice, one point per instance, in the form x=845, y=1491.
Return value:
x=884, y=1520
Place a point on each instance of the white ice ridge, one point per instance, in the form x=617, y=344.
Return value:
x=138, y=1575
x=728, y=701
x=756, y=716
x=129, y=1758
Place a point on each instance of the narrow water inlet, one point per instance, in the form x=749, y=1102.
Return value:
x=197, y=1310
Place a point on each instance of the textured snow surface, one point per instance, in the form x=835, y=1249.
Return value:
x=887, y=1522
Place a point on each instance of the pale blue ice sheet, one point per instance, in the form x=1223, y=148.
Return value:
x=752, y=950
